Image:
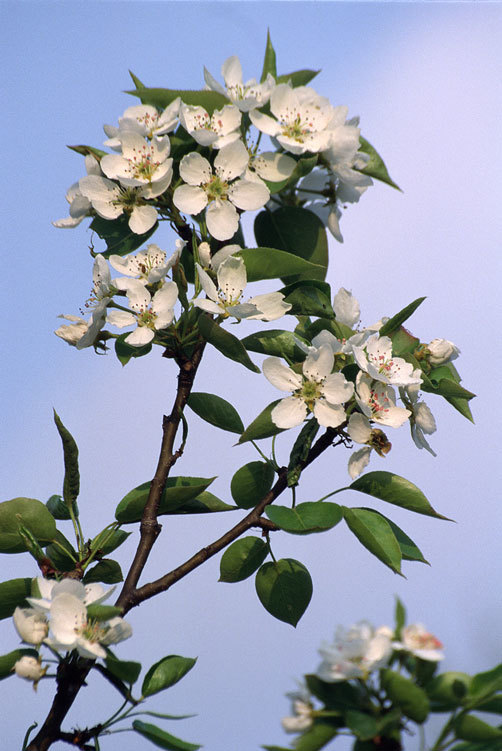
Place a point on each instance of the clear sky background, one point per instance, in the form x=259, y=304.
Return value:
x=426, y=80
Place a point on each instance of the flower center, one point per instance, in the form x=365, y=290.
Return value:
x=147, y=318
x=379, y=402
x=143, y=164
x=216, y=188
x=92, y=631
x=309, y=392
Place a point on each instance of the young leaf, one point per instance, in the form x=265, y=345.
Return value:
x=113, y=541
x=13, y=594
x=126, y=671
x=166, y=673
x=396, y=490
x=251, y=483
x=58, y=508
x=274, y=342
x=307, y=300
x=216, y=411
x=262, y=426
x=271, y=263
x=63, y=561
x=284, y=588
x=375, y=534
x=106, y=571
x=411, y=698
x=204, y=503
x=306, y=518
x=161, y=98
x=471, y=728
x=298, y=77
x=125, y=351
x=119, y=238
x=484, y=684
x=88, y=151
x=269, y=62
x=316, y=737
x=399, y=617
x=394, y=323
x=375, y=167
x=225, y=342
x=32, y=514
x=71, y=483
x=363, y=725
x=300, y=450
x=162, y=739
x=177, y=491
x=242, y=558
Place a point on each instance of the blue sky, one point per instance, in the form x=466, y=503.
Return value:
x=425, y=79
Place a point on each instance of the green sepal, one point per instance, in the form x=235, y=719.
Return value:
x=276, y=343
x=165, y=673
x=33, y=514
x=162, y=98
x=242, y=558
x=216, y=411
x=297, y=231
x=394, y=323
x=376, y=535
x=118, y=236
x=13, y=594
x=306, y=518
x=284, y=588
x=262, y=426
x=251, y=483
x=269, y=61
x=300, y=450
x=125, y=351
x=177, y=491
x=88, y=151
x=8, y=661
x=271, y=263
x=106, y=571
x=413, y=700
x=125, y=670
x=468, y=727
x=375, y=167
x=396, y=490
x=71, y=483
x=102, y=612
x=225, y=342
x=162, y=739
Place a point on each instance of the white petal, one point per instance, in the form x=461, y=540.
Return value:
x=195, y=169
x=222, y=220
x=97, y=188
x=359, y=428
x=328, y=415
x=120, y=318
x=142, y=219
x=138, y=296
x=248, y=195
x=142, y=335
x=273, y=166
x=68, y=614
x=265, y=123
x=271, y=306
x=212, y=83
x=280, y=375
x=209, y=306
x=358, y=461
x=318, y=365
x=207, y=284
x=346, y=308
x=289, y=412
x=223, y=253
x=232, y=278
x=190, y=199
x=231, y=70
x=337, y=389
x=231, y=161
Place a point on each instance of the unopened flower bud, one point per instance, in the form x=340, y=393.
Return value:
x=31, y=625
x=442, y=351
x=204, y=255
x=30, y=669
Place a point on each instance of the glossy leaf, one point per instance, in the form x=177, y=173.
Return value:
x=161, y=98
x=409, y=550
x=396, y=490
x=162, y=739
x=13, y=594
x=216, y=411
x=166, y=673
x=251, y=483
x=125, y=351
x=242, y=558
x=274, y=342
x=375, y=167
x=471, y=728
x=262, y=426
x=225, y=342
x=306, y=518
x=32, y=514
x=71, y=483
x=8, y=661
x=411, y=698
x=204, y=503
x=124, y=670
x=297, y=231
x=269, y=62
x=119, y=238
x=394, y=323
x=373, y=531
x=177, y=491
x=308, y=300
x=284, y=588
x=271, y=263
x=56, y=552
x=113, y=540
x=106, y=571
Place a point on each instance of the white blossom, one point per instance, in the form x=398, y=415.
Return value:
x=222, y=192
x=101, y=295
x=30, y=624
x=375, y=358
x=141, y=163
x=80, y=206
x=149, y=265
x=301, y=708
x=30, y=668
x=360, y=430
x=110, y=200
x=422, y=420
x=50, y=588
x=418, y=641
x=355, y=652
x=246, y=96
x=378, y=402
x=149, y=314
x=270, y=166
x=346, y=308
x=217, y=130
x=145, y=120
x=208, y=261
x=318, y=390
x=442, y=351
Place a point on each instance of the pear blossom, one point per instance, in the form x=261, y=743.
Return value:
x=150, y=313
x=378, y=402
x=149, y=265
x=217, y=130
x=346, y=308
x=246, y=96
x=208, y=261
x=80, y=206
x=302, y=708
x=225, y=300
x=355, y=652
x=30, y=668
x=361, y=431
x=110, y=200
x=419, y=642
x=222, y=192
x=375, y=358
x=50, y=588
x=270, y=166
x=318, y=391
x=421, y=419
x=145, y=120
x=301, y=118
x=73, y=332
x=141, y=163
x=343, y=155
x=441, y=351
x=31, y=625
x=101, y=295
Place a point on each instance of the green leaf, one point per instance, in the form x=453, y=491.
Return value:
x=396, y=490
x=274, y=342
x=125, y=351
x=88, y=151
x=375, y=167
x=8, y=661
x=394, y=323
x=471, y=728
x=399, y=616
x=119, y=238
x=300, y=450
x=373, y=531
x=269, y=62
x=316, y=737
x=106, y=571
x=113, y=541
x=165, y=673
x=484, y=684
x=32, y=514
x=162, y=739
x=298, y=77
x=204, y=503
x=306, y=518
x=242, y=558
x=363, y=725
x=297, y=231
x=341, y=695
x=491, y=745
x=284, y=588
x=61, y=560
x=71, y=483
x=403, y=342
x=226, y=343
x=262, y=426
x=102, y=612
x=307, y=300
x=58, y=508
x=177, y=491
x=411, y=698
x=13, y=594
x=409, y=551
x=340, y=330
x=216, y=411
x=271, y=263
x=493, y=705
x=136, y=81
x=251, y=483
x=124, y=670
x=448, y=689
x=161, y=98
